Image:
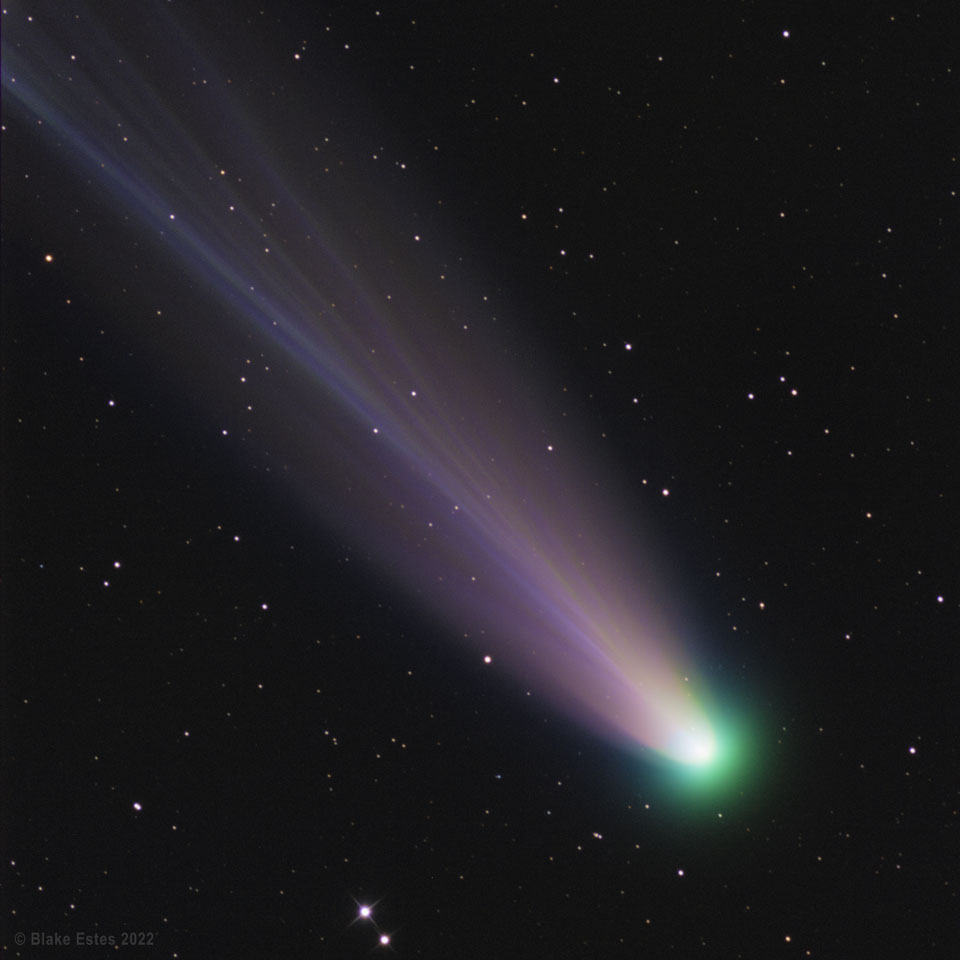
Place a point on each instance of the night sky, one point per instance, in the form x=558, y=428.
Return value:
x=390, y=391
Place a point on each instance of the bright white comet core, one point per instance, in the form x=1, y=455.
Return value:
x=694, y=747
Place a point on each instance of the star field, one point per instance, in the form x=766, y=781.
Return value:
x=352, y=354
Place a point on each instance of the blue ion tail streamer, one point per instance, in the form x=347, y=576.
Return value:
x=404, y=426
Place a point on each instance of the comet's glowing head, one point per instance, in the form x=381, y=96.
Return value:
x=694, y=747
x=713, y=766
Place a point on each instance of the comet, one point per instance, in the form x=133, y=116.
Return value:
x=390, y=403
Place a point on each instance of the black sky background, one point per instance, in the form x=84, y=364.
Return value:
x=739, y=207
